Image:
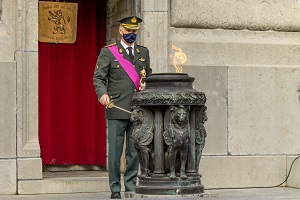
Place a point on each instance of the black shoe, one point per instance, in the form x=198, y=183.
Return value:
x=115, y=195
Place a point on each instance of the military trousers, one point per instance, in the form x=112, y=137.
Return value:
x=118, y=130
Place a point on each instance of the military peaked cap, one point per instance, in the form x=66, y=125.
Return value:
x=131, y=22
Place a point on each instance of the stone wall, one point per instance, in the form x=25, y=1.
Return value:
x=255, y=15
x=8, y=127
x=116, y=9
x=248, y=66
x=245, y=57
x=20, y=161
x=8, y=88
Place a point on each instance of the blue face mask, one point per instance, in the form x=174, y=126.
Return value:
x=130, y=37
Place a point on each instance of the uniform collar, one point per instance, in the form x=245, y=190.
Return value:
x=136, y=51
x=125, y=46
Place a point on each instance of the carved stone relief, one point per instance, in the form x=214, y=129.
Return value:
x=256, y=15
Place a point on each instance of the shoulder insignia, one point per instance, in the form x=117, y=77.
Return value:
x=141, y=46
x=110, y=45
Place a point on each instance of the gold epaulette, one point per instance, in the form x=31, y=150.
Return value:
x=110, y=45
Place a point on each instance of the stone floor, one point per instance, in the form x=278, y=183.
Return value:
x=225, y=194
x=91, y=185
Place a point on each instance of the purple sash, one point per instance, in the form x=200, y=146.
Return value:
x=127, y=66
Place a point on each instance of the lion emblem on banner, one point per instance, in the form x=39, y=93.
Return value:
x=59, y=20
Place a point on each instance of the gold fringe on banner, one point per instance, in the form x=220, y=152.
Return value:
x=57, y=22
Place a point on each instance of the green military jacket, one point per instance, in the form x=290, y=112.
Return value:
x=110, y=78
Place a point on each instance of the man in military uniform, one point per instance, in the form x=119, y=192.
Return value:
x=116, y=78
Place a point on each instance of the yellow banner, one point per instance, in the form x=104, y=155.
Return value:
x=57, y=22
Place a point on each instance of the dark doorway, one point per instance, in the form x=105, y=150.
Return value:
x=72, y=128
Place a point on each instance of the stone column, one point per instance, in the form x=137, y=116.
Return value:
x=29, y=163
x=158, y=142
x=154, y=32
x=191, y=156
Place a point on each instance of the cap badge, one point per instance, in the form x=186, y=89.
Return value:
x=133, y=20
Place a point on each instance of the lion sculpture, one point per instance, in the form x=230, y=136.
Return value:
x=176, y=137
x=142, y=134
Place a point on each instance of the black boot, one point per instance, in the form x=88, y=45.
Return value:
x=115, y=195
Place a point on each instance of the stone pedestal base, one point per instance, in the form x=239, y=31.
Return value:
x=166, y=186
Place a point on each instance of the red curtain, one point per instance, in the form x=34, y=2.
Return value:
x=72, y=127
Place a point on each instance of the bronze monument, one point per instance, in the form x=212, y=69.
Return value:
x=169, y=135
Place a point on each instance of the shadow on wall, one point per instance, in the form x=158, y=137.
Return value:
x=299, y=91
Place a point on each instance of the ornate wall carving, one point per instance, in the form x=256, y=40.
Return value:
x=255, y=15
